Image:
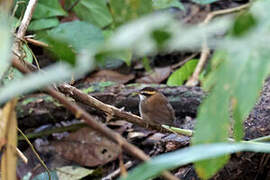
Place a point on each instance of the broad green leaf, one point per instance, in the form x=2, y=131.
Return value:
x=162, y=4
x=93, y=11
x=5, y=44
x=182, y=74
x=126, y=10
x=155, y=166
x=40, y=24
x=78, y=34
x=44, y=9
x=204, y=1
x=53, y=74
x=61, y=49
x=48, y=8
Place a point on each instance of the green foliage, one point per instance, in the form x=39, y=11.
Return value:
x=179, y=76
x=155, y=166
x=126, y=10
x=95, y=12
x=41, y=24
x=61, y=49
x=163, y=4
x=78, y=34
x=44, y=9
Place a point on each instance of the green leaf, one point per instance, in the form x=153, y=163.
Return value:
x=61, y=49
x=78, y=34
x=5, y=44
x=94, y=11
x=204, y=1
x=40, y=24
x=162, y=4
x=182, y=74
x=44, y=9
x=126, y=10
x=48, y=8
x=155, y=166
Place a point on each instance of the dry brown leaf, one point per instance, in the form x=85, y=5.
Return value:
x=109, y=75
x=157, y=76
x=8, y=123
x=87, y=148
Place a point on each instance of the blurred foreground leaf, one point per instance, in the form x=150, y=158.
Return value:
x=53, y=74
x=234, y=85
x=5, y=44
x=155, y=166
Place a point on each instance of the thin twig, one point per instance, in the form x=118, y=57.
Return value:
x=81, y=113
x=193, y=81
x=35, y=152
x=36, y=42
x=182, y=62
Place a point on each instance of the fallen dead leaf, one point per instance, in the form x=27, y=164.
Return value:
x=109, y=75
x=157, y=76
x=87, y=148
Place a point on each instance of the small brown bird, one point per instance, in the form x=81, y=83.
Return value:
x=155, y=108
